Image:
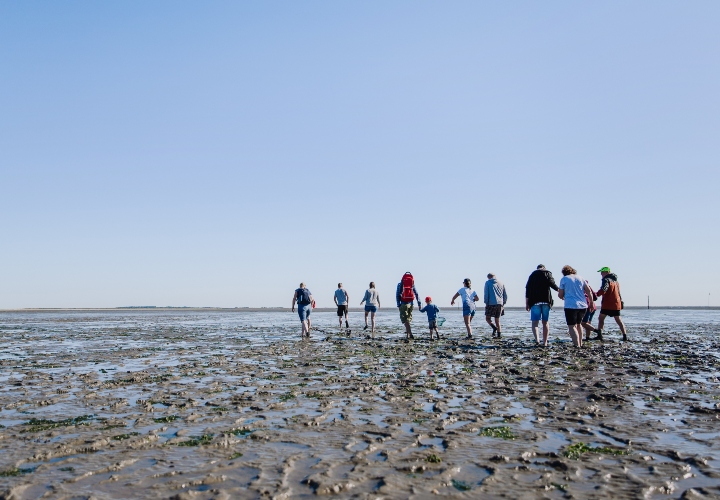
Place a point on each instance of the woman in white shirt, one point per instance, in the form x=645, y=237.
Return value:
x=469, y=297
x=573, y=289
x=372, y=304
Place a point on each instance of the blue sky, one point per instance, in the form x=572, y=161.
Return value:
x=218, y=153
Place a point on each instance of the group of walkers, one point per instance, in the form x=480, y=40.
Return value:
x=578, y=296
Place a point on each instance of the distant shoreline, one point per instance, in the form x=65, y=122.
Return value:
x=285, y=309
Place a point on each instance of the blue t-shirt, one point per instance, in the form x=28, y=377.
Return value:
x=341, y=297
x=432, y=311
x=574, y=291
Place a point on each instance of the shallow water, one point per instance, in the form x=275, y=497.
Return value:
x=211, y=404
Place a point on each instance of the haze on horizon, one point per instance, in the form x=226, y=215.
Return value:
x=219, y=153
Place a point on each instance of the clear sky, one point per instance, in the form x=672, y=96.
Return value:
x=218, y=153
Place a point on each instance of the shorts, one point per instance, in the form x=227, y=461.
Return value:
x=494, y=311
x=468, y=311
x=370, y=309
x=304, y=311
x=574, y=316
x=406, y=313
x=610, y=312
x=342, y=310
x=540, y=311
x=432, y=324
x=588, y=316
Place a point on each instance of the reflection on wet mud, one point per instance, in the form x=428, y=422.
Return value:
x=234, y=404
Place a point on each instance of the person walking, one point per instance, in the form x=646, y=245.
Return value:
x=612, y=302
x=405, y=295
x=432, y=311
x=469, y=297
x=304, y=300
x=342, y=301
x=372, y=304
x=495, y=299
x=539, y=300
x=587, y=319
x=573, y=290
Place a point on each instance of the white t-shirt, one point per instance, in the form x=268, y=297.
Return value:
x=574, y=291
x=372, y=297
x=467, y=295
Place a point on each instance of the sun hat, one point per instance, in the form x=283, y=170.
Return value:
x=604, y=270
x=428, y=299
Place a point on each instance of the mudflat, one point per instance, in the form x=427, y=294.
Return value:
x=212, y=404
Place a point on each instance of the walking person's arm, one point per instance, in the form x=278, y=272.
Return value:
x=398, y=293
x=294, y=300
x=552, y=284
x=486, y=294
x=335, y=299
x=452, y=302
x=504, y=295
x=417, y=296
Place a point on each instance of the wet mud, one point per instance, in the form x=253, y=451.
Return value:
x=236, y=405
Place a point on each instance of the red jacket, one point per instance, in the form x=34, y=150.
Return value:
x=610, y=293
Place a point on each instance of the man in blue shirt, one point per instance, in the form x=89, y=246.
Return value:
x=495, y=299
x=304, y=300
x=342, y=300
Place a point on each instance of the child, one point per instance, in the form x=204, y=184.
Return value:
x=432, y=311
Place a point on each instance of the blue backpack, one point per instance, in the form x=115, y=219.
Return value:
x=303, y=295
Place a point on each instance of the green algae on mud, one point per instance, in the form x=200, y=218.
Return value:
x=502, y=432
x=576, y=450
x=42, y=424
x=15, y=471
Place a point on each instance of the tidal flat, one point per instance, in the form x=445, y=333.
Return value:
x=233, y=404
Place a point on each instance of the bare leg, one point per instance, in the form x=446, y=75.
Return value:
x=620, y=323
x=489, y=322
x=467, y=319
x=601, y=321
x=366, y=315
x=535, y=330
x=308, y=327
x=408, y=330
x=340, y=320
x=546, y=333
x=372, y=321
x=497, y=324
x=575, y=335
x=305, y=329
x=588, y=330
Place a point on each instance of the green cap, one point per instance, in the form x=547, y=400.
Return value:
x=604, y=270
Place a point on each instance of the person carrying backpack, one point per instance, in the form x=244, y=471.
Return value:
x=304, y=300
x=405, y=295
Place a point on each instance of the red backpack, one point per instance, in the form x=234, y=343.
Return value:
x=407, y=283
